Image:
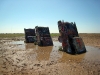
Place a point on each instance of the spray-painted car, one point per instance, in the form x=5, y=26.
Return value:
x=43, y=36
x=30, y=35
x=71, y=42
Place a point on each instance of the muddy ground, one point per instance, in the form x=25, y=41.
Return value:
x=19, y=58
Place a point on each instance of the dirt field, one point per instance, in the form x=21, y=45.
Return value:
x=91, y=39
x=19, y=58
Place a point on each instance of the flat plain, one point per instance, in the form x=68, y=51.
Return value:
x=19, y=58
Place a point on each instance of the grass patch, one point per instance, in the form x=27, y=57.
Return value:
x=54, y=34
x=9, y=35
x=12, y=35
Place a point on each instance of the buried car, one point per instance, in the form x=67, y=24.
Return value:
x=69, y=37
x=30, y=35
x=43, y=36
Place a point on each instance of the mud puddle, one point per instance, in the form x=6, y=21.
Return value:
x=19, y=58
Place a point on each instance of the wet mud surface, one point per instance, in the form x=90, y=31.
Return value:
x=19, y=58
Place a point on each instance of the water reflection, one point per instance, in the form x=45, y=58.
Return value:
x=29, y=46
x=43, y=53
x=93, y=53
x=55, y=53
x=17, y=42
x=51, y=53
x=72, y=58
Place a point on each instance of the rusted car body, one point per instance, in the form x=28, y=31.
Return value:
x=69, y=37
x=43, y=36
x=29, y=35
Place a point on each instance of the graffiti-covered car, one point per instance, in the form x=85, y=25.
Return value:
x=29, y=35
x=43, y=36
x=69, y=37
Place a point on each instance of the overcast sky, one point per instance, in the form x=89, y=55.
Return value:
x=15, y=15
